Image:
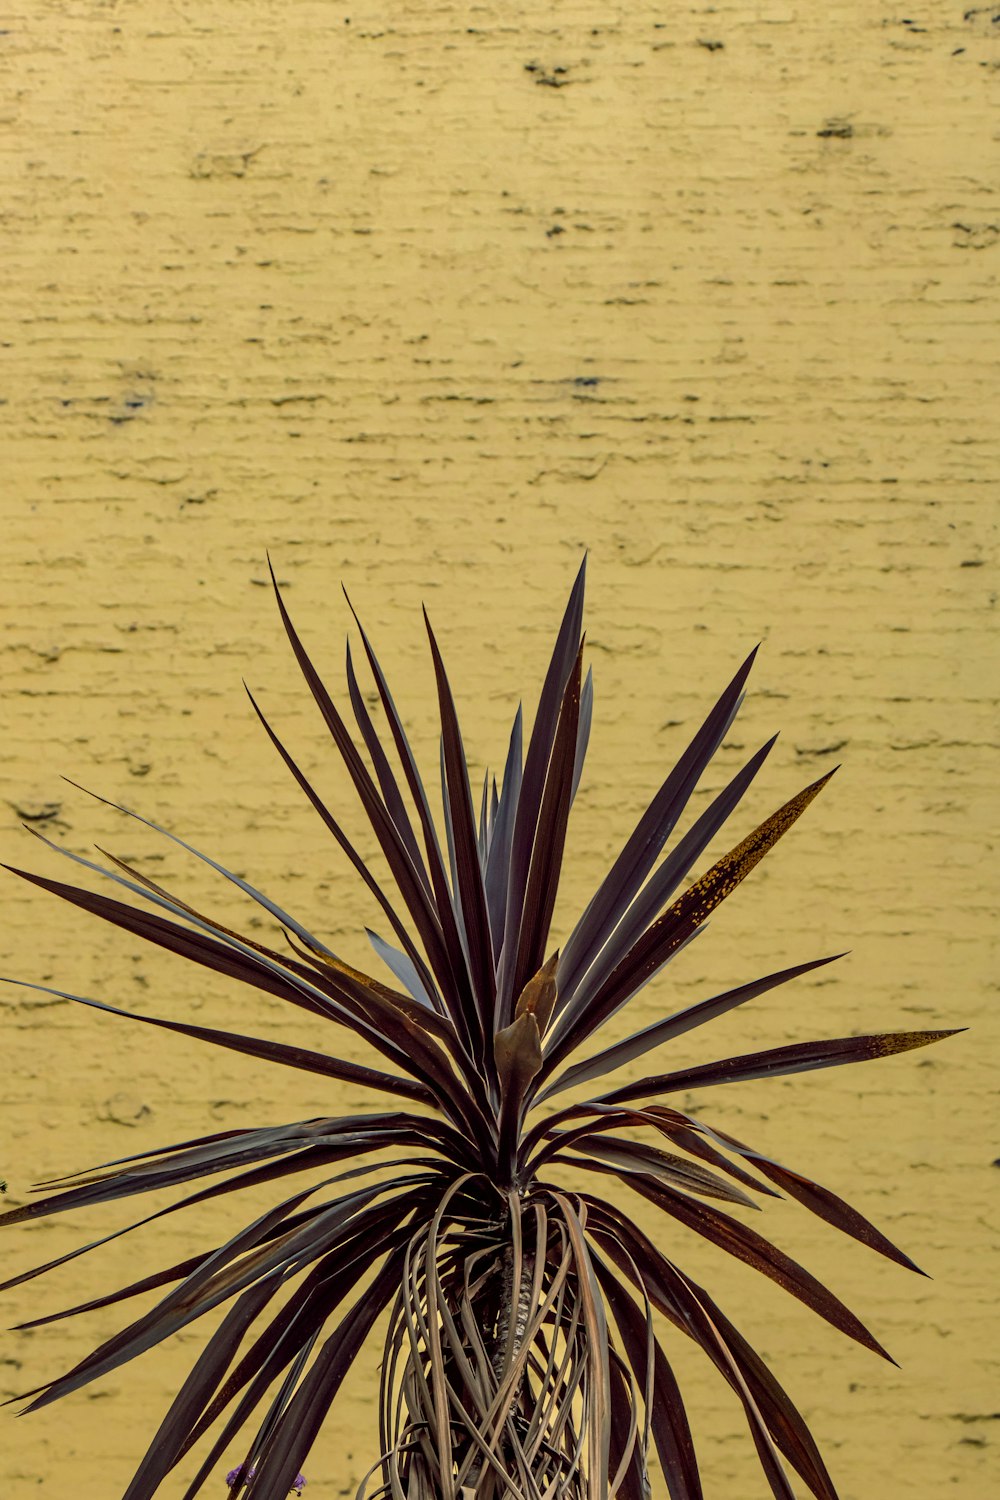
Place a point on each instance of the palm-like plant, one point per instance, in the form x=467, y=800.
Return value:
x=521, y=1360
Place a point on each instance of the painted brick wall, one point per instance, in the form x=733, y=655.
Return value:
x=428, y=298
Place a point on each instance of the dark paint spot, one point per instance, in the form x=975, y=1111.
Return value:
x=839, y=130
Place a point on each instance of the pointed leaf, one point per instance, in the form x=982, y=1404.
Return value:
x=386, y=780
x=701, y=899
x=637, y=858
x=456, y=991
x=402, y=966
x=498, y=859
x=799, y=1057
x=619, y=1156
x=746, y=1245
x=257, y=896
x=533, y=783
x=583, y=730
x=431, y=921
x=550, y=837
x=250, y=1046
x=416, y=958
x=825, y=1204
x=683, y=918
x=463, y=822
x=676, y=1025
x=232, y=957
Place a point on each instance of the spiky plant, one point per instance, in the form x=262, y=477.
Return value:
x=521, y=1360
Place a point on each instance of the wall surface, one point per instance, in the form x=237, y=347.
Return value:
x=427, y=299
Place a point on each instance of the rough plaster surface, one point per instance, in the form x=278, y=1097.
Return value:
x=427, y=298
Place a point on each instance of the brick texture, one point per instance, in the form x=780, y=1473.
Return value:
x=427, y=298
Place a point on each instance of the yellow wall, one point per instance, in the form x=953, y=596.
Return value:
x=427, y=298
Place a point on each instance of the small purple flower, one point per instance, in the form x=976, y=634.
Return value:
x=242, y=1475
